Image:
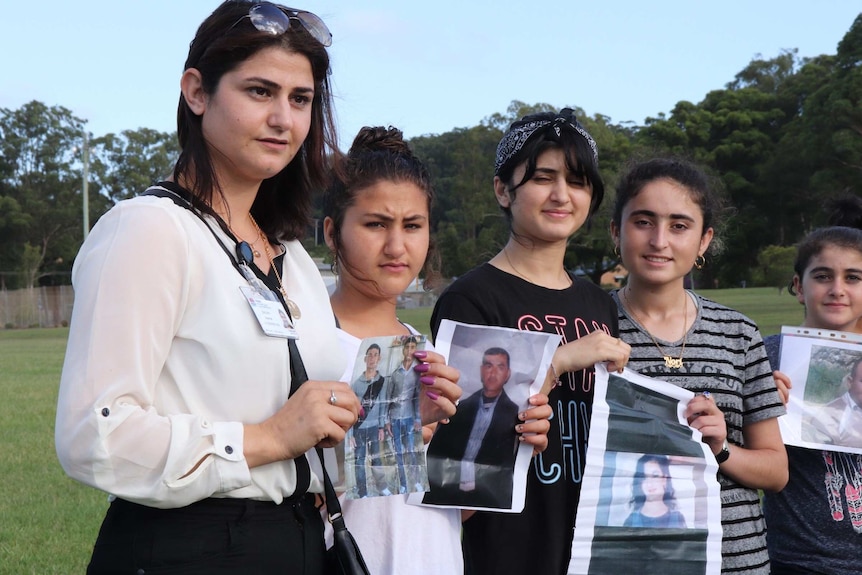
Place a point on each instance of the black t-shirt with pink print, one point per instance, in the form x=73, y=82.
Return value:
x=539, y=539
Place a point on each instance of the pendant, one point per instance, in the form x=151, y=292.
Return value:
x=673, y=362
x=256, y=253
x=295, y=313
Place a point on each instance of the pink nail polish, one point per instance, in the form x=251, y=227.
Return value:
x=432, y=395
x=420, y=354
x=427, y=379
x=422, y=367
x=361, y=412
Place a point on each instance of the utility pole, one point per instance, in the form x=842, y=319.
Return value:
x=86, y=155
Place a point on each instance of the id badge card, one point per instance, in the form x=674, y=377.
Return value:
x=270, y=314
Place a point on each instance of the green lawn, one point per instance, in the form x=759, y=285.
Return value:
x=769, y=309
x=48, y=523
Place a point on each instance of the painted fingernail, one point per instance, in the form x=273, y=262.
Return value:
x=519, y=428
x=522, y=416
x=420, y=354
x=361, y=412
x=432, y=395
x=422, y=367
x=427, y=379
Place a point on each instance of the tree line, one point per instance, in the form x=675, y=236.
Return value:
x=783, y=138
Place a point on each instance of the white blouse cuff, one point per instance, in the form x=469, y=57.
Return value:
x=230, y=461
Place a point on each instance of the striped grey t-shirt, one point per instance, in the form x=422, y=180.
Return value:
x=724, y=354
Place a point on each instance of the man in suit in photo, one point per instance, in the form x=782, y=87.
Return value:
x=839, y=422
x=471, y=460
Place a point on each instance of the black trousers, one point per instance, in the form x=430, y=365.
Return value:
x=213, y=536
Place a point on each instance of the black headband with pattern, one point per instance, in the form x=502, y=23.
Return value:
x=522, y=131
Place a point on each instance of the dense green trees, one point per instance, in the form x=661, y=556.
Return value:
x=783, y=137
x=41, y=186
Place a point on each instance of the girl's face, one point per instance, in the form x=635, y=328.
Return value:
x=384, y=239
x=661, y=233
x=552, y=205
x=654, y=481
x=258, y=117
x=831, y=289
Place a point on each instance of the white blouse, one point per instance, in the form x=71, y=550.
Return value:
x=166, y=361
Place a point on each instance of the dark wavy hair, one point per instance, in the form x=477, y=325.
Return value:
x=377, y=154
x=703, y=189
x=638, y=498
x=222, y=42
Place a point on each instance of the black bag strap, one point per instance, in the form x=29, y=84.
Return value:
x=183, y=199
x=333, y=507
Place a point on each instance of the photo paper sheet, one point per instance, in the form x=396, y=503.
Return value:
x=650, y=501
x=383, y=452
x=476, y=461
x=825, y=406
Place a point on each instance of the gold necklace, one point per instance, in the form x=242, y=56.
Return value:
x=294, y=310
x=517, y=271
x=255, y=252
x=669, y=361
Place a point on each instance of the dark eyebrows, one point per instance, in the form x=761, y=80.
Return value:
x=652, y=214
x=545, y=171
x=388, y=218
x=264, y=82
x=275, y=86
x=826, y=269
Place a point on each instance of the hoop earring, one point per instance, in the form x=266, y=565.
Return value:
x=699, y=262
x=617, y=251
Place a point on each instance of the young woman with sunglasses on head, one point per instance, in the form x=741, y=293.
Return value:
x=173, y=399
x=378, y=229
x=547, y=184
x=663, y=222
x=814, y=522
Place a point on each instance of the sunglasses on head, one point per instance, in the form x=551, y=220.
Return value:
x=272, y=19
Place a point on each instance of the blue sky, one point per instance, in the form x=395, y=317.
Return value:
x=425, y=67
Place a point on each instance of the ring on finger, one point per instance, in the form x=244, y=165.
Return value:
x=332, y=399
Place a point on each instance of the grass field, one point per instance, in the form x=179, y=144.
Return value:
x=48, y=523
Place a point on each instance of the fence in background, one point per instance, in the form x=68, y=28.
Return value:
x=49, y=306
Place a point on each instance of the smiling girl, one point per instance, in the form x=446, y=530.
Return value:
x=814, y=523
x=547, y=184
x=663, y=224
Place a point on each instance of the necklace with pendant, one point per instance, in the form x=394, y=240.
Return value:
x=254, y=251
x=669, y=361
x=294, y=310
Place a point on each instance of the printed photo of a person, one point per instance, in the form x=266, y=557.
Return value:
x=405, y=422
x=839, y=422
x=471, y=460
x=368, y=433
x=653, y=503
